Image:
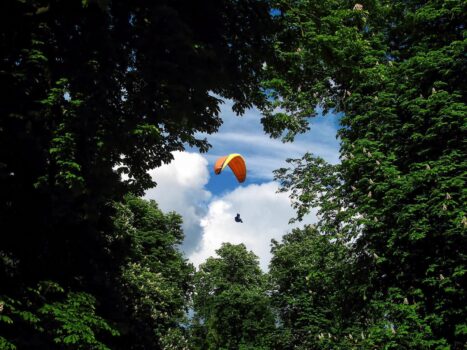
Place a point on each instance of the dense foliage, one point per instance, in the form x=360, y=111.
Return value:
x=314, y=291
x=97, y=92
x=152, y=290
x=394, y=68
x=92, y=90
x=146, y=302
x=230, y=302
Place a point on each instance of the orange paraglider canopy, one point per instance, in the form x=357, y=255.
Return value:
x=236, y=162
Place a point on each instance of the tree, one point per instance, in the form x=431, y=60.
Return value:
x=155, y=282
x=92, y=90
x=316, y=291
x=147, y=302
x=89, y=86
x=231, y=306
x=393, y=68
x=52, y=319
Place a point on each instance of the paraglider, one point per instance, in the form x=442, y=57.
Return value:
x=236, y=162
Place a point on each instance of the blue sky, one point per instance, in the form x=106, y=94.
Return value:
x=208, y=202
x=245, y=135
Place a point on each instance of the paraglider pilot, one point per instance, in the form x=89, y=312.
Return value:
x=237, y=218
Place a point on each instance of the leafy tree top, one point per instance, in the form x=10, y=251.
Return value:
x=97, y=84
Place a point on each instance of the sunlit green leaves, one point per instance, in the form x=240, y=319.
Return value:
x=67, y=319
x=155, y=282
x=231, y=306
x=76, y=322
x=398, y=194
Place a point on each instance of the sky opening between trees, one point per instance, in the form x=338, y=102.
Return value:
x=96, y=94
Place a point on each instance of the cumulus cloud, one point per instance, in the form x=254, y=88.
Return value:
x=265, y=215
x=181, y=188
x=208, y=221
x=185, y=185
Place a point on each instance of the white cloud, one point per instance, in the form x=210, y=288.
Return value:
x=265, y=215
x=209, y=221
x=181, y=188
x=209, y=218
